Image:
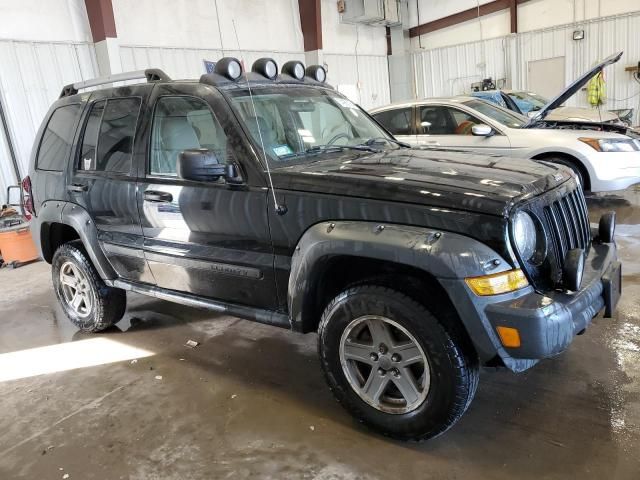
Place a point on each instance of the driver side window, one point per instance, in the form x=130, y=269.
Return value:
x=440, y=120
x=182, y=123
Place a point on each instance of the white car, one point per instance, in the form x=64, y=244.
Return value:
x=603, y=158
x=603, y=161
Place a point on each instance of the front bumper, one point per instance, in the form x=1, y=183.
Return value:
x=614, y=170
x=547, y=322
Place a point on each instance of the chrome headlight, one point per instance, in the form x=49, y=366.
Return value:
x=611, y=144
x=528, y=238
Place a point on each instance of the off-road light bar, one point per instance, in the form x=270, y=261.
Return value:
x=294, y=69
x=229, y=67
x=317, y=72
x=267, y=67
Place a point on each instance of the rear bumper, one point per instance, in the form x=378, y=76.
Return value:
x=546, y=322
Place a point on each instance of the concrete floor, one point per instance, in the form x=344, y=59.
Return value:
x=250, y=400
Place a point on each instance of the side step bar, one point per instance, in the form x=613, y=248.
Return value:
x=249, y=313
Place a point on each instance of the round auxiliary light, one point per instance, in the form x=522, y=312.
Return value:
x=294, y=69
x=229, y=67
x=267, y=67
x=317, y=72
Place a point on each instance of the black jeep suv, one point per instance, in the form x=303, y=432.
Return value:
x=274, y=198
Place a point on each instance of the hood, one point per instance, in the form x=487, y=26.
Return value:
x=573, y=88
x=438, y=178
x=582, y=115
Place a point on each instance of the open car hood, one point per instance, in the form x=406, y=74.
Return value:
x=572, y=89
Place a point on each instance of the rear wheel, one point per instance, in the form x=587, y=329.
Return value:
x=393, y=364
x=86, y=300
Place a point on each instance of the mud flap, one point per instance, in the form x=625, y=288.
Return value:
x=612, y=288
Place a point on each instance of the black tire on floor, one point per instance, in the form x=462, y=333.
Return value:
x=107, y=304
x=453, y=364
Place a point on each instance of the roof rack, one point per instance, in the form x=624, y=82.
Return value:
x=151, y=74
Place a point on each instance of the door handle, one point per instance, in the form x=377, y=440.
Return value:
x=433, y=142
x=76, y=187
x=158, y=197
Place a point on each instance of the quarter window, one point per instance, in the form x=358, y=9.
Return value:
x=107, y=143
x=398, y=122
x=183, y=123
x=57, y=138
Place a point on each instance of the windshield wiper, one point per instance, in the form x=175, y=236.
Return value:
x=379, y=140
x=325, y=148
x=316, y=149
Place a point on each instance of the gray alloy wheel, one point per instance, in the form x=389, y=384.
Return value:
x=91, y=305
x=76, y=289
x=384, y=364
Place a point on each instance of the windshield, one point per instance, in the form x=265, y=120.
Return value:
x=296, y=123
x=501, y=115
x=537, y=101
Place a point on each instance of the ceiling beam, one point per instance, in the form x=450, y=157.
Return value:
x=470, y=14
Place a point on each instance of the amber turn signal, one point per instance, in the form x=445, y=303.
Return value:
x=497, y=283
x=510, y=337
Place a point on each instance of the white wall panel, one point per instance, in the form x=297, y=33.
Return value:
x=450, y=70
x=368, y=75
x=44, y=20
x=31, y=78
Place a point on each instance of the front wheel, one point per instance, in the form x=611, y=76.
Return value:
x=577, y=171
x=394, y=365
x=91, y=305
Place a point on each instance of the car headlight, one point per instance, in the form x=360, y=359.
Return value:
x=611, y=144
x=528, y=238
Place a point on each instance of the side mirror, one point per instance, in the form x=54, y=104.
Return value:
x=482, y=130
x=202, y=165
x=425, y=126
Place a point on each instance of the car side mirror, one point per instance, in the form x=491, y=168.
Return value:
x=425, y=126
x=202, y=165
x=482, y=130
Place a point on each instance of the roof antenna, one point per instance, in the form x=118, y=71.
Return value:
x=280, y=209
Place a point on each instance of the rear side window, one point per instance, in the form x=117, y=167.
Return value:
x=57, y=138
x=398, y=122
x=107, y=143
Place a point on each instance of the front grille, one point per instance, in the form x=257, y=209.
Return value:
x=565, y=219
x=568, y=221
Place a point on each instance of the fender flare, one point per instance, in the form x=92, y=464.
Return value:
x=449, y=257
x=76, y=217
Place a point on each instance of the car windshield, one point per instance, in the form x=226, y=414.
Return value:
x=499, y=114
x=296, y=124
x=533, y=98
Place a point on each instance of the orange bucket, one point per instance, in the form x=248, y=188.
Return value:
x=16, y=244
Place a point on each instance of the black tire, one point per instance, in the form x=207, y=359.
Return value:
x=453, y=365
x=578, y=172
x=107, y=304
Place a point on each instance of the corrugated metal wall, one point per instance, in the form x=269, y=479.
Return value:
x=31, y=78
x=368, y=73
x=450, y=70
